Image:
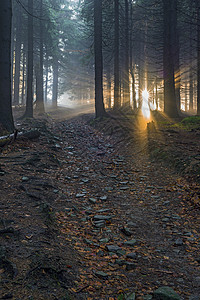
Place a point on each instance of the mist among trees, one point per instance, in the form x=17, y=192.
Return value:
x=99, y=149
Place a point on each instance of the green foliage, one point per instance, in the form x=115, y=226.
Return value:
x=191, y=122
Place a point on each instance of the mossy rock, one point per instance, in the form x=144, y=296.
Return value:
x=165, y=293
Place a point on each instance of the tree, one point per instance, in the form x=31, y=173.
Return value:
x=116, y=58
x=29, y=99
x=99, y=104
x=40, y=94
x=170, y=104
x=6, y=118
x=198, y=57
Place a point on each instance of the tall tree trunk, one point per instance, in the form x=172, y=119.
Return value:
x=198, y=57
x=170, y=104
x=17, y=57
x=186, y=96
x=99, y=105
x=23, y=76
x=6, y=118
x=126, y=57
x=29, y=99
x=156, y=94
x=108, y=87
x=176, y=55
x=46, y=79
x=40, y=96
x=131, y=58
x=117, y=97
x=191, y=98
x=55, y=83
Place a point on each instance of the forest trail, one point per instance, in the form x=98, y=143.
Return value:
x=89, y=215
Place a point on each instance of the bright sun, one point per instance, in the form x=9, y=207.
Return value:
x=145, y=104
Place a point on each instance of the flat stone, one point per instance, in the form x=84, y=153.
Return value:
x=194, y=297
x=100, y=225
x=106, y=240
x=165, y=293
x=80, y=195
x=130, y=243
x=85, y=180
x=126, y=231
x=130, y=266
x=103, y=198
x=179, y=242
x=132, y=255
x=132, y=224
x=147, y=297
x=120, y=262
x=165, y=219
x=103, y=210
x=92, y=200
x=101, y=274
x=102, y=217
x=108, y=188
x=124, y=188
x=24, y=178
x=166, y=202
x=130, y=296
x=113, y=248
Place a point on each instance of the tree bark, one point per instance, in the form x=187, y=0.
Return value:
x=108, y=87
x=117, y=99
x=40, y=95
x=55, y=83
x=131, y=58
x=6, y=118
x=23, y=76
x=126, y=57
x=170, y=104
x=17, y=58
x=29, y=99
x=99, y=104
x=198, y=58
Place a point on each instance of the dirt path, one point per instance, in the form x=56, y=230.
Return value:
x=94, y=218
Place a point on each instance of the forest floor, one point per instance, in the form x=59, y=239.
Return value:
x=100, y=210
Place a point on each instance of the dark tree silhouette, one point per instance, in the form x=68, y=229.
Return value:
x=29, y=99
x=99, y=104
x=170, y=104
x=6, y=118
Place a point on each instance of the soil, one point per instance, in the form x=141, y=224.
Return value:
x=95, y=210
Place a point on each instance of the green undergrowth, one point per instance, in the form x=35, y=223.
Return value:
x=184, y=165
x=189, y=123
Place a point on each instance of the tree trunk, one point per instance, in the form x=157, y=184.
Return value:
x=40, y=96
x=46, y=79
x=186, y=96
x=191, y=99
x=55, y=83
x=198, y=58
x=176, y=55
x=17, y=58
x=117, y=99
x=126, y=57
x=131, y=58
x=108, y=87
x=99, y=105
x=6, y=118
x=170, y=104
x=29, y=99
x=23, y=77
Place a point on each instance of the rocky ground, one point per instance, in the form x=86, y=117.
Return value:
x=93, y=211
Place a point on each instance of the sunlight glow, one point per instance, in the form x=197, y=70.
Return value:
x=145, y=104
